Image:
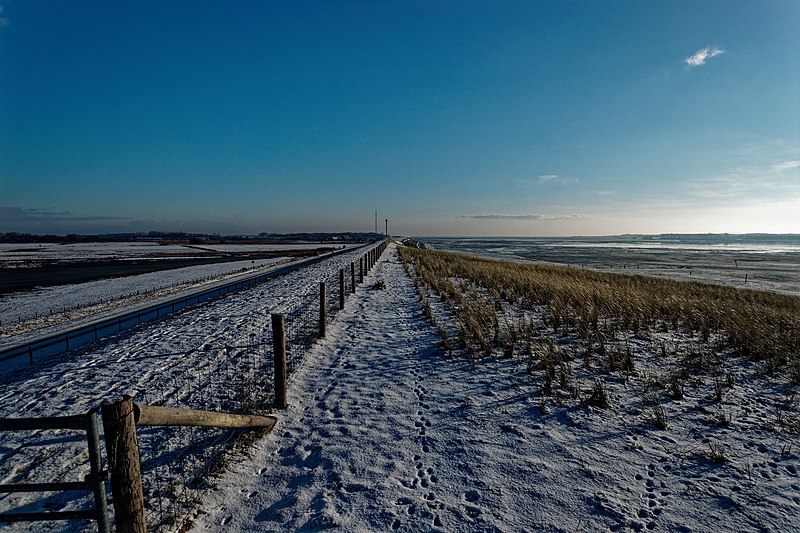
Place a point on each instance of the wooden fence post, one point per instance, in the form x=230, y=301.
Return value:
x=353, y=276
x=341, y=288
x=361, y=270
x=124, y=467
x=322, y=309
x=279, y=353
x=96, y=469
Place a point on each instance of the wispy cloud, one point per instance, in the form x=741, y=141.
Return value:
x=701, y=56
x=545, y=179
x=37, y=215
x=37, y=220
x=750, y=184
x=576, y=216
x=3, y=20
x=785, y=165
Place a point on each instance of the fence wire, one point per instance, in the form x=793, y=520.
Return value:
x=180, y=463
x=230, y=369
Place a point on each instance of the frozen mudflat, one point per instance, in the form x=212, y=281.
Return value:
x=383, y=432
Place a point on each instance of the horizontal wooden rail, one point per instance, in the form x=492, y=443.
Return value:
x=149, y=415
x=94, y=482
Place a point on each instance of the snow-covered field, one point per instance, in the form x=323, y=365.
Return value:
x=19, y=255
x=384, y=432
x=32, y=254
x=47, y=308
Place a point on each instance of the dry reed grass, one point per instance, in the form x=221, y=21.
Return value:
x=596, y=306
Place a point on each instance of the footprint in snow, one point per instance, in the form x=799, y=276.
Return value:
x=472, y=511
x=472, y=496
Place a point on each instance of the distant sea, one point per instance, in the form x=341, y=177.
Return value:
x=765, y=261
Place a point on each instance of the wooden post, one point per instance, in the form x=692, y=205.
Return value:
x=341, y=288
x=322, y=309
x=279, y=353
x=124, y=467
x=353, y=276
x=361, y=270
x=96, y=469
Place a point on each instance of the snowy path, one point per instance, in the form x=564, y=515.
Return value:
x=383, y=433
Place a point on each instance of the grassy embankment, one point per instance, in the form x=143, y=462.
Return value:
x=528, y=310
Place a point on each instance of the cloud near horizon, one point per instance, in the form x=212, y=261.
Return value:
x=576, y=216
x=700, y=57
x=17, y=214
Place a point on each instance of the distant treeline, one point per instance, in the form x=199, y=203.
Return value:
x=191, y=238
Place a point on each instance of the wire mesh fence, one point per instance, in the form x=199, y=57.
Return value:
x=221, y=360
x=179, y=463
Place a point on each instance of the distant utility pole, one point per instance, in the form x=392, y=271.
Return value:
x=387, y=227
x=376, y=221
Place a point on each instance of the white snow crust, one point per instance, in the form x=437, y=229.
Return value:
x=58, y=307
x=384, y=433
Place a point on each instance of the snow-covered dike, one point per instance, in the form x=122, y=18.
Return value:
x=385, y=433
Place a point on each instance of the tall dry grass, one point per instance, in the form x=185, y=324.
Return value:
x=760, y=325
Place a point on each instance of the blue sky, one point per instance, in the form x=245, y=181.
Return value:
x=451, y=118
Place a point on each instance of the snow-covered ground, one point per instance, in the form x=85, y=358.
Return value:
x=59, y=307
x=23, y=255
x=160, y=360
x=26, y=255
x=384, y=432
